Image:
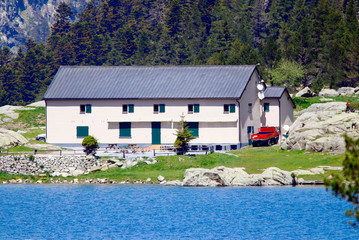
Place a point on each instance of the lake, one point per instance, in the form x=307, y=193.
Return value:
x=158, y=212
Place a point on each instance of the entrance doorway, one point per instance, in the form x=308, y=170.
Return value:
x=156, y=132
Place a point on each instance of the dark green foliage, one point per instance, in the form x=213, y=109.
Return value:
x=184, y=136
x=346, y=184
x=90, y=143
x=319, y=38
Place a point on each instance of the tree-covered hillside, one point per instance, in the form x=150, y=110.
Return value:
x=296, y=42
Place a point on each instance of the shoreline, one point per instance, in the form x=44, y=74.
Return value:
x=164, y=183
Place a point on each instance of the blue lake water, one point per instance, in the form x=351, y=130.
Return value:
x=157, y=212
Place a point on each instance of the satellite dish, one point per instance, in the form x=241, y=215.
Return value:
x=260, y=86
x=261, y=95
x=286, y=128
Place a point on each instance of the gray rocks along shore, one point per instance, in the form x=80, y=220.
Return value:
x=223, y=176
x=64, y=166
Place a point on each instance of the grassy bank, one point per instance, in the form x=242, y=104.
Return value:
x=254, y=160
x=303, y=103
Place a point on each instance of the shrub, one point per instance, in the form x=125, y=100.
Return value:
x=90, y=143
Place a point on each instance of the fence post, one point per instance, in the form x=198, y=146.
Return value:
x=60, y=152
x=154, y=152
x=123, y=154
x=35, y=151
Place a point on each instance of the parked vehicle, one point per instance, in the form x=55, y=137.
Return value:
x=41, y=137
x=265, y=136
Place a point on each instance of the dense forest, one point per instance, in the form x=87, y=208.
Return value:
x=295, y=42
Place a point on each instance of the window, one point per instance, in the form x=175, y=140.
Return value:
x=82, y=108
x=193, y=126
x=155, y=108
x=162, y=108
x=196, y=108
x=232, y=108
x=190, y=108
x=131, y=108
x=85, y=108
x=249, y=107
x=250, y=129
x=82, y=131
x=159, y=108
x=125, y=129
x=124, y=108
x=193, y=108
x=128, y=108
x=266, y=107
x=229, y=108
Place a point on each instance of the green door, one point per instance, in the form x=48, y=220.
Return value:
x=156, y=133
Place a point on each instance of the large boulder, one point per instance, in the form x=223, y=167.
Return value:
x=223, y=176
x=11, y=138
x=328, y=93
x=320, y=128
x=305, y=92
x=346, y=91
x=38, y=104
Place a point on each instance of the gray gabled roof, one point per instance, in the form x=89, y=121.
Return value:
x=150, y=82
x=277, y=92
x=274, y=92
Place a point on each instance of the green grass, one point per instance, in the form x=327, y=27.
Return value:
x=19, y=149
x=32, y=118
x=253, y=159
x=303, y=103
x=32, y=133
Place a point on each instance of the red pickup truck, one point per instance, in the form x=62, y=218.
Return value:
x=265, y=136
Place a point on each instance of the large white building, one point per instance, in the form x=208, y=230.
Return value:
x=142, y=105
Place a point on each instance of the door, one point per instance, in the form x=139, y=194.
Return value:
x=156, y=133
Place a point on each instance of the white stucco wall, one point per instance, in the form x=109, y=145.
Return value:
x=271, y=118
x=247, y=118
x=215, y=126
x=286, y=111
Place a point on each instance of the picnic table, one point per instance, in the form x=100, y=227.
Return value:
x=112, y=145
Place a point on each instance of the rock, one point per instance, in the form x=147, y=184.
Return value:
x=148, y=180
x=95, y=168
x=77, y=172
x=11, y=138
x=223, y=176
x=37, y=104
x=328, y=93
x=104, y=167
x=276, y=176
x=75, y=181
x=174, y=183
x=320, y=128
x=12, y=181
x=326, y=99
x=39, y=182
x=346, y=91
x=300, y=181
x=64, y=174
x=305, y=92
x=160, y=178
x=197, y=177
